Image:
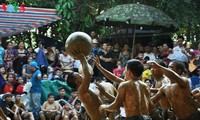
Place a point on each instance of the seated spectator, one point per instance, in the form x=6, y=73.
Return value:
x=74, y=94
x=12, y=109
x=45, y=77
x=58, y=73
x=20, y=86
x=68, y=113
x=50, y=109
x=26, y=73
x=24, y=113
x=3, y=110
x=62, y=94
x=8, y=85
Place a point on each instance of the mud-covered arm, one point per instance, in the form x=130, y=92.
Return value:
x=87, y=75
x=170, y=74
x=106, y=73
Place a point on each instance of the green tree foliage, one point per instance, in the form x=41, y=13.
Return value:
x=79, y=15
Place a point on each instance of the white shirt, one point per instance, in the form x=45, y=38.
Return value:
x=178, y=54
x=65, y=60
x=150, y=55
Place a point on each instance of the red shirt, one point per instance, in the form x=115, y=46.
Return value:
x=8, y=88
x=118, y=72
x=19, y=89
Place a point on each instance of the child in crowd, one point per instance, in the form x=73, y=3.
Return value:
x=8, y=85
x=58, y=73
x=45, y=77
x=119, y=70
x=62, y=94
x=147, y=73
x=20, y=86
x=24, y=113
x=50, y=109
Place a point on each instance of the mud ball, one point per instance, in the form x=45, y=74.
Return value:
x=80, y=41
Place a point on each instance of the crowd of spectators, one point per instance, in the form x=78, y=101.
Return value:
x=20, y=64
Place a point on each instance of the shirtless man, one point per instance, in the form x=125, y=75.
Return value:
x=109, y=88
x=132, y=93
x=160, y=81
x=89, y=99
x=178, y=92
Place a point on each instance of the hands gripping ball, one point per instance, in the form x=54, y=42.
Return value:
x=80, y=41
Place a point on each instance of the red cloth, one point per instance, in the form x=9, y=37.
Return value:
x=19, y=89
x=118, y=72
x=8, y=88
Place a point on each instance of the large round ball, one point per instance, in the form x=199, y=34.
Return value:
x=80, y=41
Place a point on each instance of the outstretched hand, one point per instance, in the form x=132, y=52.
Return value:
x=97, y=61
x=153, y=64
x=78, y=55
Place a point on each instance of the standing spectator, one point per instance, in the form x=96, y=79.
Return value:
x=1, y=53
x=9, y=56
x=36, y=89
x=149, y=53
x=20, y=59
x=95, y=52
x=125, y=55
x=30, y=51
x=106, y=58
x=26, y=73
x=165, y=53
x=116, y=52
x=179, y=52
x=119, y=70
x=155, y=52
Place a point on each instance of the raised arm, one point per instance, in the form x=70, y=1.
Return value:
x=170, y=74
x=117, y=103
x=106, y=73
x=87, y=75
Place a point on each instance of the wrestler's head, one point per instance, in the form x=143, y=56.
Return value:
x=156, y=72
x=134, y=68
x=74, y=80
x=177, y=67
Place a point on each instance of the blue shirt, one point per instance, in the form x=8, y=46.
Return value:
x=36, y=83
x=1, y=55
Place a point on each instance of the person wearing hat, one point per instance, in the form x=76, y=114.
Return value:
x=36, y=89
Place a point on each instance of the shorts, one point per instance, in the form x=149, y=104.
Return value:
x=46, y=114
x=141, y=117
